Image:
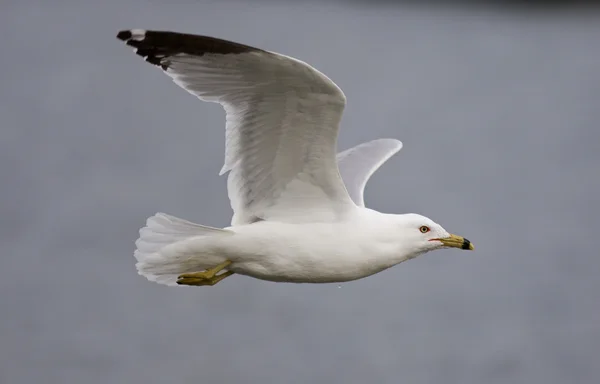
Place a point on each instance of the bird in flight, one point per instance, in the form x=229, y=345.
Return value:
x=298, y=209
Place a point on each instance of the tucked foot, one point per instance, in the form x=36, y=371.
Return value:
x=207, y=277
x=186, y=279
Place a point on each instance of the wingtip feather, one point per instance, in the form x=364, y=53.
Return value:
x=124, y=35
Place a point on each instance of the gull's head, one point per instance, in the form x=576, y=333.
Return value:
x=421, y=234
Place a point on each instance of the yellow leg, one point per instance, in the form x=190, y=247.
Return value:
x=203, y=282
x=207, y=277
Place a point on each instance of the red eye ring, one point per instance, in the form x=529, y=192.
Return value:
x=424, y=229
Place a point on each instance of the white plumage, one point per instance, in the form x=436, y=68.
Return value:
x=294, y=218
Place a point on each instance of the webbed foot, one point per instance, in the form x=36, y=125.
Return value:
x=208, y=277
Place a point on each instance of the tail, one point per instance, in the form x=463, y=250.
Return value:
x=169, y=246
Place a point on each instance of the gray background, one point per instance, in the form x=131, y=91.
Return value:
x=498, y=110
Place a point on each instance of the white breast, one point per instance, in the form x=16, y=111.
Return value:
x=317, y=253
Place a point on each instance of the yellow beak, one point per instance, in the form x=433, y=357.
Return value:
x=455, y=241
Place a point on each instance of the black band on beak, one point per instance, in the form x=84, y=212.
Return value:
x=466, y=244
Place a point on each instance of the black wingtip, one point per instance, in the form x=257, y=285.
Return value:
x=156, y=47
x=124, y=35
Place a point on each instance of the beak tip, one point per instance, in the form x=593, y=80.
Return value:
x=466, y=245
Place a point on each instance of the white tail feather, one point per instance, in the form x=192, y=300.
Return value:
x=163, y=254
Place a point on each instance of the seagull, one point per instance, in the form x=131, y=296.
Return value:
x=298, y=207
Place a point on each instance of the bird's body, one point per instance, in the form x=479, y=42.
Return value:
x=355, y=248
x=365, y=243
x=299, y=213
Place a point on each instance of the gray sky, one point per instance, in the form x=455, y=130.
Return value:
x=498, y=112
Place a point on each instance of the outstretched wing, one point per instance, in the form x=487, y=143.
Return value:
x=282, y=124
x=357, y=164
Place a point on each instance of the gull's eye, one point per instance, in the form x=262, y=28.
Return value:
x=424, y=229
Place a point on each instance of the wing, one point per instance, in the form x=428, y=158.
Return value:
x=282, y=122
x=357, y=164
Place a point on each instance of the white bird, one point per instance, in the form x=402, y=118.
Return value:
x=299, y=214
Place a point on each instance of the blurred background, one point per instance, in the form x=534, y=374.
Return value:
x=497, y=104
